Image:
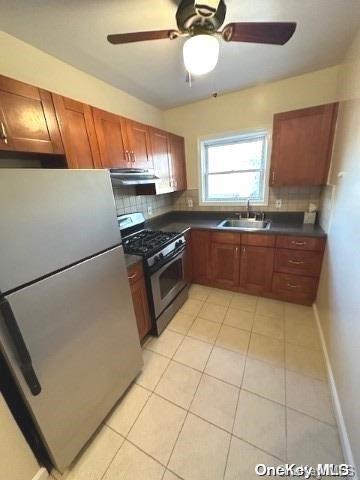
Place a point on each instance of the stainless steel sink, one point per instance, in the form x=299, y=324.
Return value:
x=245, y=224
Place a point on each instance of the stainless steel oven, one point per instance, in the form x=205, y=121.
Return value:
x=168, y=287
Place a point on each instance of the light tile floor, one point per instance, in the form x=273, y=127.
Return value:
x=235, y=380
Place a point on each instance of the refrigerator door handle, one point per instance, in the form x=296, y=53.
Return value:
x=22, y=352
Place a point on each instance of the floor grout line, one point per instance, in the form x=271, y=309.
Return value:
x=239, y=393
x=202, y=372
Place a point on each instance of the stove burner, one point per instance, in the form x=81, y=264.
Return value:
x=147, y=242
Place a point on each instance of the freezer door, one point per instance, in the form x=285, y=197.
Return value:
x=80, y=331
x=51, y=219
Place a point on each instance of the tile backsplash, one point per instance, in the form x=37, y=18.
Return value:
x=294, y=199
x=127, y=201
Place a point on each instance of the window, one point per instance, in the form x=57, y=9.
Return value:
x=234, y=169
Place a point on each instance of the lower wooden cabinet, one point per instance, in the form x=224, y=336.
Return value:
x=139, y=297
x=258, y=264
x=188, y=258
x=295, y=288
x=201, y=255
x=256, y=270
x=225, y=264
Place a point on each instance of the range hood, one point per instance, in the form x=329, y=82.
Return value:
x=133, y=176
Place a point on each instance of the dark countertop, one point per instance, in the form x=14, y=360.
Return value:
x=282, y=223
x=132, y=259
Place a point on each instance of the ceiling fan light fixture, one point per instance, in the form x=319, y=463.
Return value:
x=201, y=54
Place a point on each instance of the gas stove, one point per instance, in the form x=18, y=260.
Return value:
x=154, y=246
x=164, y=263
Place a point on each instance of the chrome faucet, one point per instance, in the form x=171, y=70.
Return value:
x=248, y=208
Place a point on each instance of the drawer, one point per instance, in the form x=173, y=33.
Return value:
x=258, y=240
x=226, y=237
x=298, y=262
x=300, y=243
x=295, y=285
x=135, y=272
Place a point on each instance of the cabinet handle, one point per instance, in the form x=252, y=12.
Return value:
x=292, y=285
x=243, y=250
x=127, y=157
x=296, y=262
x=294, y=242
x=132, y=276
x=273, y=177
x=133, y=157
x=3, y=135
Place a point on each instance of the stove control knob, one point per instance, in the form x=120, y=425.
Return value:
x=156, y=258
x=179, y=243
x=161, y=255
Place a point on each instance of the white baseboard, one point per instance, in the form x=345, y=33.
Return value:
x=42, y=474
x=344, y=437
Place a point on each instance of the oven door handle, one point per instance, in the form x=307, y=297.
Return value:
x=175, y=253
x=167, y=259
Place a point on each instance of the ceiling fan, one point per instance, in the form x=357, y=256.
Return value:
x=200, y=20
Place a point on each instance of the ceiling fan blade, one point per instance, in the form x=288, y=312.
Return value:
x=118, y=38
x=276, y=33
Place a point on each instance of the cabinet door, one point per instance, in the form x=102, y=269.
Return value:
x=141, y=307
x=111, y=135
x=302, y=146
x=78, y=133
x=225, y=264
x=256, y=268
x=188, y=258
x=201, y=255
x=161, y=155
x=177, y=148
x=28, y=120
x=139, y=144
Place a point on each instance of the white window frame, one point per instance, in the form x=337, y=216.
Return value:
x=203, y=142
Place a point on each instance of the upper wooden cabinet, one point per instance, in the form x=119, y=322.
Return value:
x=78, y=133
x=123, y=143
x=138, y=144
x=160, y=145
x=27, y=119
x=302, y=146
x=111, y=132
x=177, y=150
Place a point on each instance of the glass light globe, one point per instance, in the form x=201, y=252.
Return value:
x=201, y=54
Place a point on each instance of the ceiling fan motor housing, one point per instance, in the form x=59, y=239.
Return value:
x=188, y=17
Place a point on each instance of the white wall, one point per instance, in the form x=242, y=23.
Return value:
x=338, y=301
x=23, y=62
x=247, y=109
x=17, y=461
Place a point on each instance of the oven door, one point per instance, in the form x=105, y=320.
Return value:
x=167, y=282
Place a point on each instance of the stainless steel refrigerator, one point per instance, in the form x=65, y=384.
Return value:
x=67, y=326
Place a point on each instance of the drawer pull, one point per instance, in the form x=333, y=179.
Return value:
x=296, y=262
x=294, y=242
x=291, y=285
x=3, y=136
x=132, y=276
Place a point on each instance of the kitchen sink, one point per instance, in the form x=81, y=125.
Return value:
x=245, y=224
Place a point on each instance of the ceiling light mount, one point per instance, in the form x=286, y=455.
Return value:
x=201, y=14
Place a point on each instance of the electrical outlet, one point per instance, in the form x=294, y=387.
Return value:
x=278, y=203
x=190, y=202
x=149, y=210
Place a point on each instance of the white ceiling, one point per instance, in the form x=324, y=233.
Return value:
x=75, y=32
